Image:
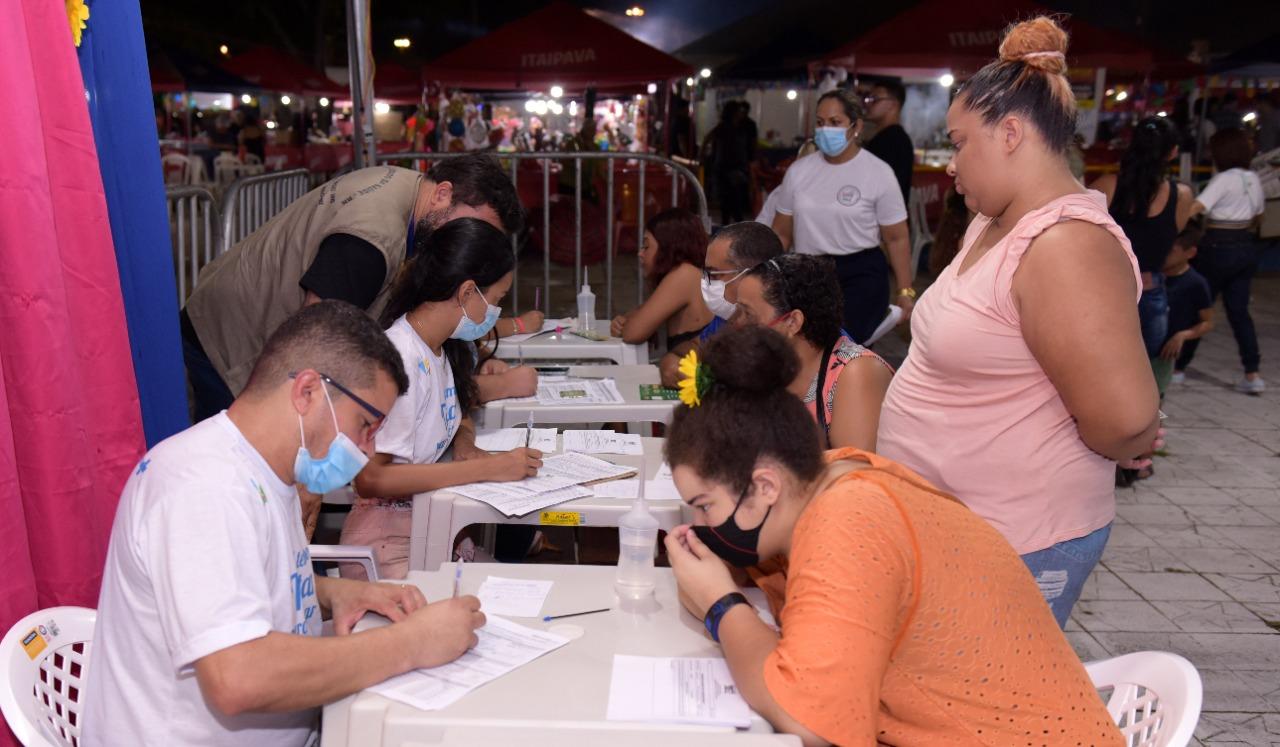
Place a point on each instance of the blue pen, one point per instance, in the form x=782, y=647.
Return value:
x=457, y=578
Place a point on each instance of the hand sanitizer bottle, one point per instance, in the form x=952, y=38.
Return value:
x=637, y=537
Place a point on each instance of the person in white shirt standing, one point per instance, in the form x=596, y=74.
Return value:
x=1228, y=256
x=209, y=617
x=845, y=202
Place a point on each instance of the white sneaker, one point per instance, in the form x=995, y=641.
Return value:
x=1178, y=378
x=1251, y=386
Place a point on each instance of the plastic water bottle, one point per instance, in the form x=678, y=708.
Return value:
x=637, y=537
x=586, y=309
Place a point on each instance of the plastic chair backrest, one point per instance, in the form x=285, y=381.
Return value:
x=45, y=656
x=1155, y=697
x=176, y=168
x=226, y=168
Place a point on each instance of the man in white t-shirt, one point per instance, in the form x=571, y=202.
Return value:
x=209, y=618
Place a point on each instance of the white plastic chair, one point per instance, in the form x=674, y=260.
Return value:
x=1155, y=697
x=362, y=554
x=45, y=656
x=226, y=169
x=252, y=165
x=177, y=169
x=919, y=228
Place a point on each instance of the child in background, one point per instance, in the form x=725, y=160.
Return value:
x=1190, y=310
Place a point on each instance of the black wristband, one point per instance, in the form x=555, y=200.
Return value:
x=717, y=610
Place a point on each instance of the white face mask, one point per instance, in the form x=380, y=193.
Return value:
x=713, y=297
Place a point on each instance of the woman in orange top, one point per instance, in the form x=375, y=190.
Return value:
x=908, y=620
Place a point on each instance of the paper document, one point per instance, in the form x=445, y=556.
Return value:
x=578, y=392
x=626, y=489
x=580, y=468
x=528, y=495
x=506, y=439
x=514, y=597
x=662, y=487
x=603, y=442
x=504, y=646
x=675, y=690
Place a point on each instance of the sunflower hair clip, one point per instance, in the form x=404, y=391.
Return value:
x=697, y=379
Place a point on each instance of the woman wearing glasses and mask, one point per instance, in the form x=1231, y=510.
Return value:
x=445, y=298
x=907, y=619
x=845, y=202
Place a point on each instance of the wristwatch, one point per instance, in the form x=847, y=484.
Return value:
x=716, y=613
x=908, y=292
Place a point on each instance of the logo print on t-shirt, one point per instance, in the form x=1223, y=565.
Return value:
x=424, y=367
x=142, y=466
x=261, y=493
x=848, y=195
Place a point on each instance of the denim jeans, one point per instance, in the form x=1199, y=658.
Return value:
x=1228, y=258
x=1153, y=313
x=1062, y=569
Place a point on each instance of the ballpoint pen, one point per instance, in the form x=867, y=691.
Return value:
x=528, y=430
x=457, y=577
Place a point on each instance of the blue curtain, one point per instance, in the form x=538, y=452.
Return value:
x=113, y=61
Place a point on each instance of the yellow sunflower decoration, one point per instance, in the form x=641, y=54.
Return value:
x=696, y=381
x=78, y=15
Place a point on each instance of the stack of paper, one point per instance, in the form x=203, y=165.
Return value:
x=662, y=487
x=561, y=479
x=675, y=690
x=603, y=442
x=504, y=646
x=548, y=325
x=506, y=439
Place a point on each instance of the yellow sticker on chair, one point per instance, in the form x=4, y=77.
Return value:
x=560, y=518
x=33, y=643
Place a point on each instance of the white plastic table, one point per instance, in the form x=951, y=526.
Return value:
x=438, y=516
x=558, y=700
x=505, y=413
x=569, y=347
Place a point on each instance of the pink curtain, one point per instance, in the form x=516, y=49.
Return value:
x=70, y=424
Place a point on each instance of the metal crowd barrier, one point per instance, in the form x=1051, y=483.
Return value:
x=253, y=200
x=677, y=171
x=193, y=226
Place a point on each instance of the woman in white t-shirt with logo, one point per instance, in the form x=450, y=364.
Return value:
x=845, y=202
x=444, y=299
x=1228, y=255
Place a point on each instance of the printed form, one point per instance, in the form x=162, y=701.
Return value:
x=675, y=690
x=504, y=646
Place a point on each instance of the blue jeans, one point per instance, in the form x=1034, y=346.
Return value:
x=1153, y=313
x=1062, y=569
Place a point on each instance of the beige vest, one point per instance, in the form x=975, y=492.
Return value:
x=246, y=293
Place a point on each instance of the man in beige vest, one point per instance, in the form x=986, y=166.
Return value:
x=345, y=240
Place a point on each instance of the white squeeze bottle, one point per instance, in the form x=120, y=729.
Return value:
x=586, y=309
x=637, y=538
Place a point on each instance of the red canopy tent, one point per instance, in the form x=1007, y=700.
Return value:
x=558, y=45
x=939, y=36
x=396, y=84
x=273, y=70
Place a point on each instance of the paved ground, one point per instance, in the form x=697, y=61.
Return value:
x=1193, y=564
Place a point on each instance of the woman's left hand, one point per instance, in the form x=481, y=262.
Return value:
x=533, y=320
x=1144, y=461
x=494, y=366
x=906, y=303
x=701, y=575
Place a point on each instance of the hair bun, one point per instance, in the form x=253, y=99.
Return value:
x=751, y=360
x=1039, y=43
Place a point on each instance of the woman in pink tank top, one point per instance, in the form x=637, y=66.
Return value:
x=1027, y=379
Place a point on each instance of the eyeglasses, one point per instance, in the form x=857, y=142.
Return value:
x=378, y=415
x=709, y=275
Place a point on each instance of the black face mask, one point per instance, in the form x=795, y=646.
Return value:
x=735, y=545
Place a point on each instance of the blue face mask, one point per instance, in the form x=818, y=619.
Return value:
x=469, y=330
x=340, y=464
x=831, y=140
